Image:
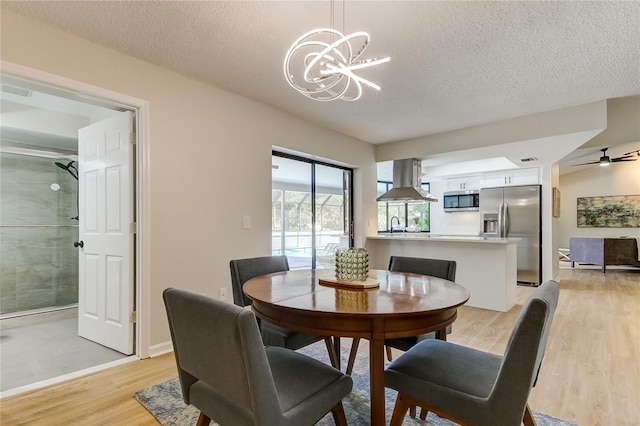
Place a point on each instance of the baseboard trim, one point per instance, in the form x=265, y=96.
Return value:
x=160, y=349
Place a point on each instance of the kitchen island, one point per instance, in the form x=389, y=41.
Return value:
x=485, y=266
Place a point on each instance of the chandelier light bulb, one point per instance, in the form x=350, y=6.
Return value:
x=321, y=63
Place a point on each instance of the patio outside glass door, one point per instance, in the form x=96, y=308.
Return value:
x=332, y=205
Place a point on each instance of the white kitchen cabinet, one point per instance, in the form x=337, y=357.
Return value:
x=510, y=178
x=463, y=183
x=496, y=179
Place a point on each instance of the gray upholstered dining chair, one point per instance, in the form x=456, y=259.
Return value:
x=445, y=269
x=226, y=372
x=242, y=270
x=469, y=386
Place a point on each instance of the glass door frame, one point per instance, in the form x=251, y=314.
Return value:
x=349, y=212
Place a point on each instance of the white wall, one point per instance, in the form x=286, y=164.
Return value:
x=618, y=179
x=210, y=159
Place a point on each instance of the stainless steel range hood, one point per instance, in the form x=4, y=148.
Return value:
x=407, y=183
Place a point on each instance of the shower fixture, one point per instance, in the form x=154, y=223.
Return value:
x=68, y=168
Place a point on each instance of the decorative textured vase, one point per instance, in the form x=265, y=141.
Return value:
x=352, y=264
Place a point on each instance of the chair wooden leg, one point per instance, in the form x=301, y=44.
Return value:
x=412, y=411
x=399, y=411
x=203, y=420
x=528, y=418
x=352, y=355
x=339, y=417
x=423, y=413
x=333, y=356
x=389, y=354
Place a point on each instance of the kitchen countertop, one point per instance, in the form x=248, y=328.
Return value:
x=451, y=238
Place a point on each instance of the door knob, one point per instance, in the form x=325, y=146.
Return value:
x=78, y=244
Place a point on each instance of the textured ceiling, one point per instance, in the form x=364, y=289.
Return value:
x=453, y=64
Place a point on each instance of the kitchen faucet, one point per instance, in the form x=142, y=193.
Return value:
x=396, y=218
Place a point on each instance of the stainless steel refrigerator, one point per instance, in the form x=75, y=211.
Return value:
x=515, y=212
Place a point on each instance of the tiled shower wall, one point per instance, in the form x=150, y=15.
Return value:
x=38, y=263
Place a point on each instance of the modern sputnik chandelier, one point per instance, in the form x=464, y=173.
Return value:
x=321, y=64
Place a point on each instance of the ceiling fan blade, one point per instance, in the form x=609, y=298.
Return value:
x=584, y=164
x=615, y=160
x=624, y=156
x=629, y=156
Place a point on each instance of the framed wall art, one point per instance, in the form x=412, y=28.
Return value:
x=556, y=202
x=618, y=211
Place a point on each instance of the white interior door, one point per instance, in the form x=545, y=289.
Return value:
x=106, y=284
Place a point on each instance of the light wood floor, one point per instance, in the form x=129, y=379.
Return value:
x=590, y=374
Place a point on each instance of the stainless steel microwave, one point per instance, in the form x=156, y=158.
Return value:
x=461, y=201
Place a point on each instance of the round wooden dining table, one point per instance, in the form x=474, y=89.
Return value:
x=403, y=305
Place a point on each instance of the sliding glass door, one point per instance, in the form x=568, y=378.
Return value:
x=311, y=210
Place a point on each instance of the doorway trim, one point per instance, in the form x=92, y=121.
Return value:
x=73, y=89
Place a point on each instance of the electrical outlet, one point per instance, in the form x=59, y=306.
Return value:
x=223, y=293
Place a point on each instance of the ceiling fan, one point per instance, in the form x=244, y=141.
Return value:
x=605, y=160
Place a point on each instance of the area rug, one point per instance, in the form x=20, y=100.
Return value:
x=164, y=400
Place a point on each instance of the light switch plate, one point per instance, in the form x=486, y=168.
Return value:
x=246, y=222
